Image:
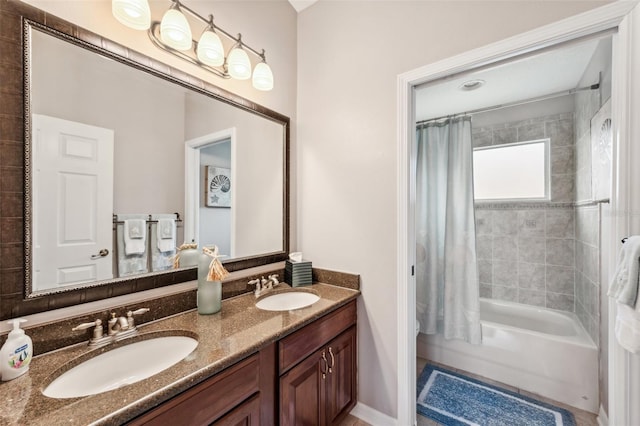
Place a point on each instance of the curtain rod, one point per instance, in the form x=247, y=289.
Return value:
x=516, y=103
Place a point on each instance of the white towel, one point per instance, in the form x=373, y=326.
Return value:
x=624, y=285
x=163, y=249
x=130, y=264
x=627, y=328
x=166, y=235
x=135, y=232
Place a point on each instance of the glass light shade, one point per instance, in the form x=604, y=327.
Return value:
x=210, y=50
x=132, y=13
x=239, y=64
x=262, y=77
x=175, y=31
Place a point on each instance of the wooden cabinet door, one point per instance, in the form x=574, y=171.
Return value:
x=302, y=392
x=246, y=414
x=341, y=379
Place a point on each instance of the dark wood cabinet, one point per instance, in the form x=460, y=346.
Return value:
x=341, y=383
x=239, y=395
x=246, y=414
x=301, y=390
x=315, y=368
x=319, y=388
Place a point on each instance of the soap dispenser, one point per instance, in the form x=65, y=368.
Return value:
x=16, y=352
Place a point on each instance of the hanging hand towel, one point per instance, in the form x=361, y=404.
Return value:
x=624, y=286
x=163, y=241
x=627, y=328
x=166, y=235
x=135, y=231
x=131, y=264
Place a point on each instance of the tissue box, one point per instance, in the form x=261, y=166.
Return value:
x=298, y=273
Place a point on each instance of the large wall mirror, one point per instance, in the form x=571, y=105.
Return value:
x=123, y=162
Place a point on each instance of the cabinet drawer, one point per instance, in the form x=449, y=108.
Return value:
x=206, y=402
x=297, y=346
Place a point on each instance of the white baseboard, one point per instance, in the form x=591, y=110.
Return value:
x=603, y=419
x=371, y=416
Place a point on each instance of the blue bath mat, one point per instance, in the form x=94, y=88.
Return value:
x=456, y=400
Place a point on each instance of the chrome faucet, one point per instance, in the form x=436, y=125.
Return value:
x=258, y=290
x=117, y=328
x=117, y=325
x=121, y=327
x=98, y=338
x=263, y=285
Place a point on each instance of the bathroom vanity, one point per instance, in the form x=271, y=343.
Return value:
x=317, y=381
x=250, y=365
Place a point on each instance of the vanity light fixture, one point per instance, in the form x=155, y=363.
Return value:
x=173, y=34
x=132, y=13
x=175, y=31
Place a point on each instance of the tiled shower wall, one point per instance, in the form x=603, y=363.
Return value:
x=588, y=269
x=526, y=251
x=587, y=219
x=526, y=255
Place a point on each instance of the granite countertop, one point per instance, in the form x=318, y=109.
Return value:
x=237, y=331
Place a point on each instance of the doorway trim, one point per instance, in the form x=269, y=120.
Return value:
x=192, y=182
x=604, y=18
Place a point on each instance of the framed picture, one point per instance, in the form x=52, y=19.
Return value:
x=218, y=187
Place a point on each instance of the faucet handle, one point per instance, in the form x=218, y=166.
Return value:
x=86, y=325
x=130, y=315
x=274, y=278
x=97, y=331
x=256, y=282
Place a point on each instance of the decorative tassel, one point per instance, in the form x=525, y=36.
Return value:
x=176, y=259
x=216, y=270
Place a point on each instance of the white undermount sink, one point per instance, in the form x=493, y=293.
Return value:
x=287, y=301
x=121, y=366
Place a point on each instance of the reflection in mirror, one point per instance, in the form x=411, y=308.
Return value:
x=120, y=157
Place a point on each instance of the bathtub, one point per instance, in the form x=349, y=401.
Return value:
x=539, y=350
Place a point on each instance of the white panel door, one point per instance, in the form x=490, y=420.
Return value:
x=72, y=203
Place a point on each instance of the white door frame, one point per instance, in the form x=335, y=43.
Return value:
x=192, y=182
x=626, y=208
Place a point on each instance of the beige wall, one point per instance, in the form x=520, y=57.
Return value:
x=74, y=84
x=257, y=189
x=349, y=56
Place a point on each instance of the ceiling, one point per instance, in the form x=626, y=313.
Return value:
x=300, y=5
x=521, y=79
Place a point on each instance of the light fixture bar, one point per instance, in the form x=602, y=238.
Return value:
x=155, y=39
x=217, y=28
x=174, y=35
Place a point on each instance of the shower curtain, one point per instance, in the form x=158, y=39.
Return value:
x=447, y=274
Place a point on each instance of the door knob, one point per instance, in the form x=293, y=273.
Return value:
x=101, y=253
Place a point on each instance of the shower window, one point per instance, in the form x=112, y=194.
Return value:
x=517, y=171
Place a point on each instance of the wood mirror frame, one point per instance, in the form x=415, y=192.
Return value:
x=15, y=189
